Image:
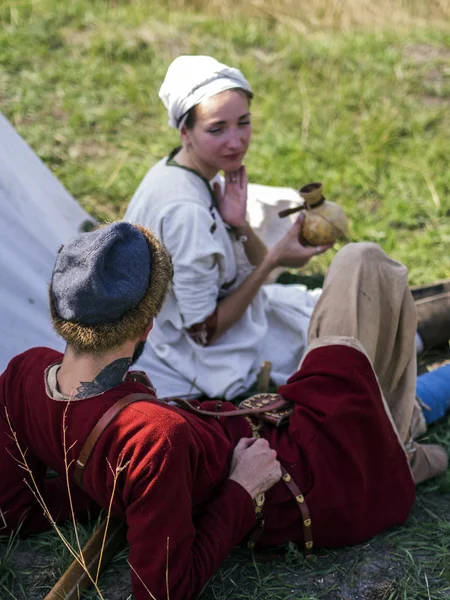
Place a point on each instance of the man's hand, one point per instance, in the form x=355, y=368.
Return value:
x=232, y=204
x=289, y=252
x=255, y=466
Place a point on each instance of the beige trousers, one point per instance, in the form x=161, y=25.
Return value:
x=366, y=296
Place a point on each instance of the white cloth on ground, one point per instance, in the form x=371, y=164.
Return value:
x=192, y=79
x=210, y=263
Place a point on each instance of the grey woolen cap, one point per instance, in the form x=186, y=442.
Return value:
x=100, y=275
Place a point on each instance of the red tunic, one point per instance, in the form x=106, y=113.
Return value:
x=339, y=447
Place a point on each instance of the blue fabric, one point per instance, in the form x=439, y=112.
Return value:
x=433, y=389
x=100, y=275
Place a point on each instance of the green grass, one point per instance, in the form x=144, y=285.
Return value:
x=367, y=111
x=9, y=577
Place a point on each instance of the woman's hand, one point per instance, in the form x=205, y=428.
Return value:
x=289, y=252
x=232, y=203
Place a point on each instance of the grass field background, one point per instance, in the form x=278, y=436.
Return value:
x=355, y=94
x=366, y=109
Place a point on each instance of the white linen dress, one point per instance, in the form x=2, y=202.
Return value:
x=209, y=261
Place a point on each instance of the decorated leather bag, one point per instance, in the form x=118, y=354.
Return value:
x=277, y=409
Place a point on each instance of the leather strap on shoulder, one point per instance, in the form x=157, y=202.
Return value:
x=99, y=428
x=277, y=401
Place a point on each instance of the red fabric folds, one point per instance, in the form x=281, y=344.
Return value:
x=357, y=479
x=339, y=446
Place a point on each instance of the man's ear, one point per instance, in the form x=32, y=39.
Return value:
x=147, y=331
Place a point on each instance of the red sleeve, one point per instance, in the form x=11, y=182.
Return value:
x=159, y=517
x=18, y=503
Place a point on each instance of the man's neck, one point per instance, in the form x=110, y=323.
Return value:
x=84, y=375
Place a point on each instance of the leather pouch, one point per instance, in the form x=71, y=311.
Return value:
x=277, y=416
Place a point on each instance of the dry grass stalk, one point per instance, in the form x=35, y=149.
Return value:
x=167, y=575
x=66, y=470
x=75, y=578
x=140, y=579
x=120, y=467
x=167, y=570
x=77, y=554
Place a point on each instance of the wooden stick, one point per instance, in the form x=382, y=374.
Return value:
x=290, y=211
x=76, y=577
x=263, y=380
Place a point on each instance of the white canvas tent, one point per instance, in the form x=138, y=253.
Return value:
x=37, y=215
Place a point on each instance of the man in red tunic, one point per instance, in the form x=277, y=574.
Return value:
x=186, y=483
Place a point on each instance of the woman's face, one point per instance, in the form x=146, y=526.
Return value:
x=221, y=135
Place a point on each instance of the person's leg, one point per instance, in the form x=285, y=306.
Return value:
x=366, y=296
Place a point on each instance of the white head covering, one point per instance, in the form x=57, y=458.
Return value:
x=192, y=79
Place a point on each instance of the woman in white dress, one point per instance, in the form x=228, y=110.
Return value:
x=221, y=321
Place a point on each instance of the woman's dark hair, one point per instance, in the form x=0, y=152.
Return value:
x=191, y=118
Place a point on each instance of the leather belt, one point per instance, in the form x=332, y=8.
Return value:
x=299, y=499
x=303, y=507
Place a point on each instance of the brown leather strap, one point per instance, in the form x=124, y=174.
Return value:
x=239, y=412
x=99, y=428
x=116, y=408
x=303, y=507
x=256, y=533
